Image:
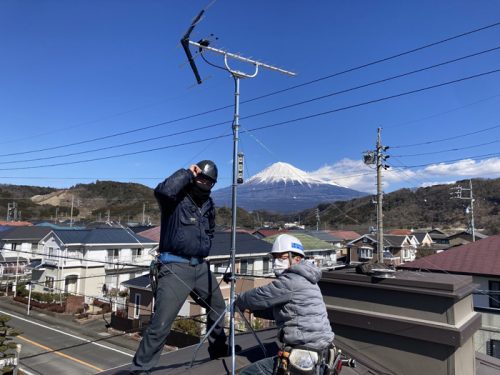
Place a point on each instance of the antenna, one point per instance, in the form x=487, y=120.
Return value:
x=204, y=45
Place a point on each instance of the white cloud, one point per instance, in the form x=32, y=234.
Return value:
x=356, y=175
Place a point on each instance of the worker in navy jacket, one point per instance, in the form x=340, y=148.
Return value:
x=187, y=227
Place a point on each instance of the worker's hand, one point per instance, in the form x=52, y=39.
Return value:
x=195, y=169
x=227, y=277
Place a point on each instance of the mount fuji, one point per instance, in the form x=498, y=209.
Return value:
x=282, y=188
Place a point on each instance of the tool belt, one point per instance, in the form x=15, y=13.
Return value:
x=303, y=360
x=166, y=257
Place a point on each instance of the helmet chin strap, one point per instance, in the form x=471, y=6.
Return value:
x=289, y=259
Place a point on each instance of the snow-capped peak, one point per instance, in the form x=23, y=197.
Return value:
x=284, y=172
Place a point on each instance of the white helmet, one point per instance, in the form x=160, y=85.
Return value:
x=285, y=243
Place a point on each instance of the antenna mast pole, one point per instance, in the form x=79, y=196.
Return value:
x=202, y=46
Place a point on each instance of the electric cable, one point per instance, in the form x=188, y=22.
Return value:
x=387, y=79
x=447, y=139
x=447, y=150
x=266, y=126
x=272, y=93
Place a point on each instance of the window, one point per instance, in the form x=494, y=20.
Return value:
x=137, y=307
x=265, y=266
x=493, y=348
x=494, y=288
x=365, y=252
x=49, y=282
x=243, y=266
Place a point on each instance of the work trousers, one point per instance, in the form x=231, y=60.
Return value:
x=176, y=281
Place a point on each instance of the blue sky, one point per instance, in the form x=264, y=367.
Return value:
x=75, y=71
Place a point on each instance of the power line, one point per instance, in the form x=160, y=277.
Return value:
x=268, y=126
x=387, y=79
x=448, y=150
x=268, y=94
x=448, y=138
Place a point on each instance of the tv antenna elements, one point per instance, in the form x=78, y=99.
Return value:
x=202, y=46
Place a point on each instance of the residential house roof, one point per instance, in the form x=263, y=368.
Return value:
x=221, y=243
x=270, y=232
x=152, y=233
x=245, y=244
x=401, y=232
x=389, y=240
x=419, y=236
x=141, y=282
x=465, y=233
x=346, y=235
x=99, y=236
x=476, y=258
x=27, y=233
x=322, y=235
x=15, y=223
x=309, y=242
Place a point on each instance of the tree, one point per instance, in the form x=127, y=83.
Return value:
x=7, y=346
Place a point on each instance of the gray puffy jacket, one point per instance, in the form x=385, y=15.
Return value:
x=297, y=306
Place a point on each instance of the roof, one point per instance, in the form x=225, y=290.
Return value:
x=270, y=232
x=322, y=235
x=221, y=243
x=346, y=235
x=99, y=236
x=31, y=233
x=15, y=223
x=152, y=233
x=141, y=282
x=309, y=242
x=394, y=240
x=420, y=236
x=245, y=244
x=401, y=232
x=476, y=258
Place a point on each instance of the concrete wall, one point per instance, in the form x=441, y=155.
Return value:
x=412, y=324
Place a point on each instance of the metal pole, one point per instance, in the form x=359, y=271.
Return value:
x=236, y=125
x=29, y=298
x=72, y=203
x=17, y=272
x=380, y=221
x=473, y=229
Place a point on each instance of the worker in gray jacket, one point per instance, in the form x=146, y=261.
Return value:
x=296, y=304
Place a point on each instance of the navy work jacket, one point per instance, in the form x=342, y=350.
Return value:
x=186, y=229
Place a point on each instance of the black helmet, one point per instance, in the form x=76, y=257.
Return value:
x=208, y=169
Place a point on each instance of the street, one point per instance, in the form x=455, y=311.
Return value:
x=47, y=349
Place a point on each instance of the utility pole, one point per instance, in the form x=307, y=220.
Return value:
x=317, y=219
x=456, y=193
x=143, y=212
x=71, y=215
x=378, y=158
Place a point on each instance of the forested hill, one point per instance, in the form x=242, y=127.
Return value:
x=405, y=208
x=417, y=208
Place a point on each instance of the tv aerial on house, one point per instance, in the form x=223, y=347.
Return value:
x=203, y=46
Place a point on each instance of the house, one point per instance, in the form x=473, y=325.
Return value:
x=22, y=241
x=252, y=254
x=423, y=238
x=90, y=262
x=397, y=249
x=481, y=260
x=323, y=253
x=345, y=235
x=464, y=237
x=439, y=237
x=263, y=233
x=251, y=259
